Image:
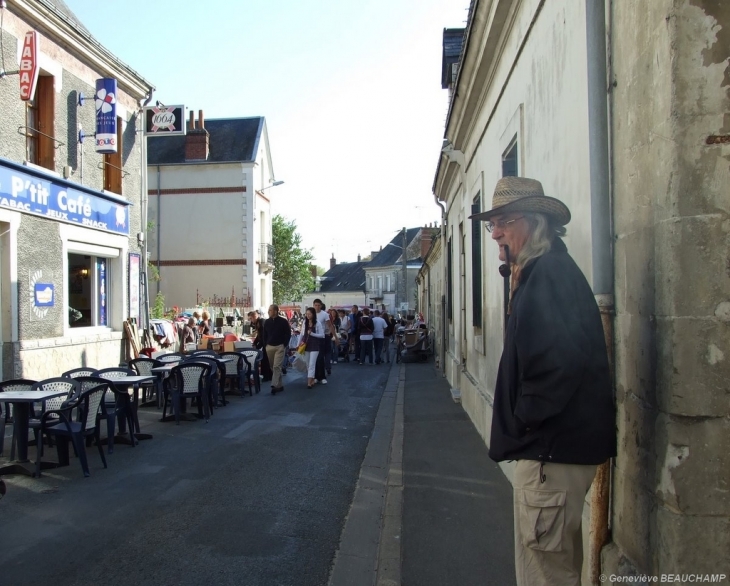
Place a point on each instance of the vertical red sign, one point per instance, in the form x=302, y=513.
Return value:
x=29, y=66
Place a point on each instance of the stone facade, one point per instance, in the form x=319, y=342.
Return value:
x=642, y=163
x=41, y=344
x=671, y=96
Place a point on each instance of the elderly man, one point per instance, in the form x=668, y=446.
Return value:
x=553, y=404
x=277, y=333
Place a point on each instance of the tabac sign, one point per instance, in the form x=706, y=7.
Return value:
x=29, y=66
x=164, y=120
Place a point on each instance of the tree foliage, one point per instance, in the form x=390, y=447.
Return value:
x=292, y=278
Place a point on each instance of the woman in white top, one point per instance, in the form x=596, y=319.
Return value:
x=314, y=337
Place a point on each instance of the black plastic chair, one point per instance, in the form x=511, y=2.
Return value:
x=117, y=403
x=187, y=380
x=143, y=367
x=235, y=370
x=212, y=378
x=212, y=353
x=253, y=359
x=60, y=424
x=171, y=357
x=69, y=385
x=77, y=372
x=6, y=416
x=111, y=410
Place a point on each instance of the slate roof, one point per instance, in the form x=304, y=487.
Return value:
x=453, y=42
x=391, y=255
x=231, y=139
x=66, y=12
x=346, y=276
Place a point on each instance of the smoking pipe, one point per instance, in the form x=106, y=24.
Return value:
x=505, y=269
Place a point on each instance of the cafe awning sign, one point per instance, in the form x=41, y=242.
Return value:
x=163, y=120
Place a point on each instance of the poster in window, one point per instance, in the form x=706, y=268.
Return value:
x=134, y=260
x=102, y=289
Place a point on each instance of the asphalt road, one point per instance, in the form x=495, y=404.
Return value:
x=257, y=496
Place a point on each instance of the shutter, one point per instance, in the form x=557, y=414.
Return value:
x=46, y=99
x=476, y=265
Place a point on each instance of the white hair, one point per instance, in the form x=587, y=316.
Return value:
x=542, y=229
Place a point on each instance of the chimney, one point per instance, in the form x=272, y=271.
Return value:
x=425, y=242
x=358, y=258
x=197, y=140
x=333, y=262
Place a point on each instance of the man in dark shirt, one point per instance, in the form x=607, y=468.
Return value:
x=277, y=332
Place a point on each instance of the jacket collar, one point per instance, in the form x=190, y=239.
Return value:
x=557, y=246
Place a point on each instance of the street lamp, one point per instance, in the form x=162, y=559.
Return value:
x=274, y=184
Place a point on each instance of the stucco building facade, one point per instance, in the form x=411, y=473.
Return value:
x=210, y=213
x=70, y=216
x=621, y=111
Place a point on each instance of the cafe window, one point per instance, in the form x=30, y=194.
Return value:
x=88, y=290
x=113, y=165
x=39, y=125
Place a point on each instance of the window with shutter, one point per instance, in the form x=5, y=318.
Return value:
x=39, y=122
x=113, y=165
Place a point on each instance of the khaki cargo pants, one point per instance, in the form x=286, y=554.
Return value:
x=548, y=539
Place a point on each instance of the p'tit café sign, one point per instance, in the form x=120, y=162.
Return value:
x=29, y=66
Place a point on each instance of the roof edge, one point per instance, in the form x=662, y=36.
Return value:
x=86, y=47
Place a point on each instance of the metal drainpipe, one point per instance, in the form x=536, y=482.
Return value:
x=159, y=244
x=144, y=214
x=442, y=352
x=599, y=137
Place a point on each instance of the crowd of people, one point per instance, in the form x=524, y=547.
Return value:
x=197, y=326
x=323, y=337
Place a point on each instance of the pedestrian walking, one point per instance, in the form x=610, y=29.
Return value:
x=379, y=326
x=257, y=322
x=313, y=337
x=389, y=331
x=277, y=332
x=324, y=367
x=334, y=339
x=355, y=330
x=366, y=336
x=553, y=405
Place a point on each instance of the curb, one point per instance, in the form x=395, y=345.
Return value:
x=369, y=550
x=389, y=555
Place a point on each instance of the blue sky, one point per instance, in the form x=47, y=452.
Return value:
x=351, y=92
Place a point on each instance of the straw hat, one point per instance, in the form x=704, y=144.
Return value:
x=520, y=194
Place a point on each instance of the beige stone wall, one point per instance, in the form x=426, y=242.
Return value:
x=40, y=359
x=671, y=486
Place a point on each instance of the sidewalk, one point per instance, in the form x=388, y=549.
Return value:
x=430, y=507
x=457, y=509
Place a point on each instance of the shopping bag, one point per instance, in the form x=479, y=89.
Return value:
x=300, y=362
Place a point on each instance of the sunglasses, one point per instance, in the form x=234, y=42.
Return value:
x=501, y=224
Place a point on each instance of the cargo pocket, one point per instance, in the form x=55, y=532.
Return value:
x=541, y=518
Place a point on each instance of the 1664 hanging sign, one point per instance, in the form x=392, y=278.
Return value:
x=105, y=101
x=29, y=66
x=164, y=120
